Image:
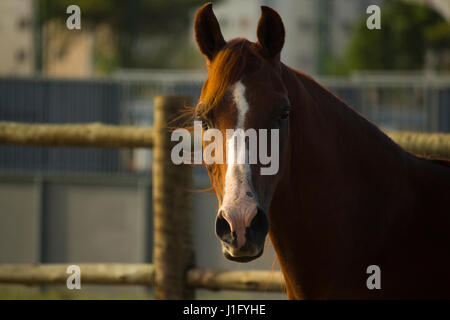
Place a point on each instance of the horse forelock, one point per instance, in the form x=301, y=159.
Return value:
x=227, y=68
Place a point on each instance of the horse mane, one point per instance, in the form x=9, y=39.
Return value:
x=317, y=91
x=350, y=120
x=226, y=68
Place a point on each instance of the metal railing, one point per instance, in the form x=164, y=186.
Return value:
x=410, y=103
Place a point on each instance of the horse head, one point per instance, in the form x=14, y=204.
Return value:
x=244, y=92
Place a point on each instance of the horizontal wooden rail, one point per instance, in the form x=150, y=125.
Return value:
x=37, y=274
x=435, y=145
x=254, y=280
x=76, y=135
x=115, y=136
x=140, y=274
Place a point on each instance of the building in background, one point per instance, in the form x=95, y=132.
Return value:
x=16, y=37
x=52, y=50
x=316, y=30
x=317, y=33
x=67, y=53
x=238, y=18
x=301, y=21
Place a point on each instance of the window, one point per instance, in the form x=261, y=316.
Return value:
x=23, y=23
x=20, y=55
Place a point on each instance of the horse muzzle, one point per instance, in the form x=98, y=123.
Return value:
x=242, y=233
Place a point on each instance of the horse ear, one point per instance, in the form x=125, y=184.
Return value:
x=270, y=32
x=207, y=32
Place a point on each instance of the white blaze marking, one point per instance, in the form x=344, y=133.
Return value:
x=237, y=207
x=241, y=104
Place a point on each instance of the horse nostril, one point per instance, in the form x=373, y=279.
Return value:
x=260, y=223
x=223, y=230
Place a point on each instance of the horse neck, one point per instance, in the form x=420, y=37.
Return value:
x=327, y=129
x=334, y=154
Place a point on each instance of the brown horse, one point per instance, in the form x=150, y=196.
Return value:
x=346, y=196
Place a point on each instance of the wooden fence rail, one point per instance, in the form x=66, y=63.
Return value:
x=75, y=135
x=140, y=274
x=428, y=144
x=118, y=136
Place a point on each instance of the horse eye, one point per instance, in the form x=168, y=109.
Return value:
x=205, y=125
x=285, y=114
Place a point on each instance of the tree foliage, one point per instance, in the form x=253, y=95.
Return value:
x=156, y=16
x=408, y=31
x=131, y=21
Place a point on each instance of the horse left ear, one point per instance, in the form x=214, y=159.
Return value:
x=271, y=32
x=207, y=32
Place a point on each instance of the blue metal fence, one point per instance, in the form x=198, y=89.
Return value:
x=406, y=104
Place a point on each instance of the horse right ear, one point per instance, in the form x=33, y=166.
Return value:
x=270, y=32
x=207, y=32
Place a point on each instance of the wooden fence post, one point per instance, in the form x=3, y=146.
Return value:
x=173, y=252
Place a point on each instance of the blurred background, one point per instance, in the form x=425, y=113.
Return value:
x=74, y=205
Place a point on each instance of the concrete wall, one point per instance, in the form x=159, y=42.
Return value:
x=57, y=220
x=19, y=222
x=94, y=223
x=101, y=219
x=75, y=219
